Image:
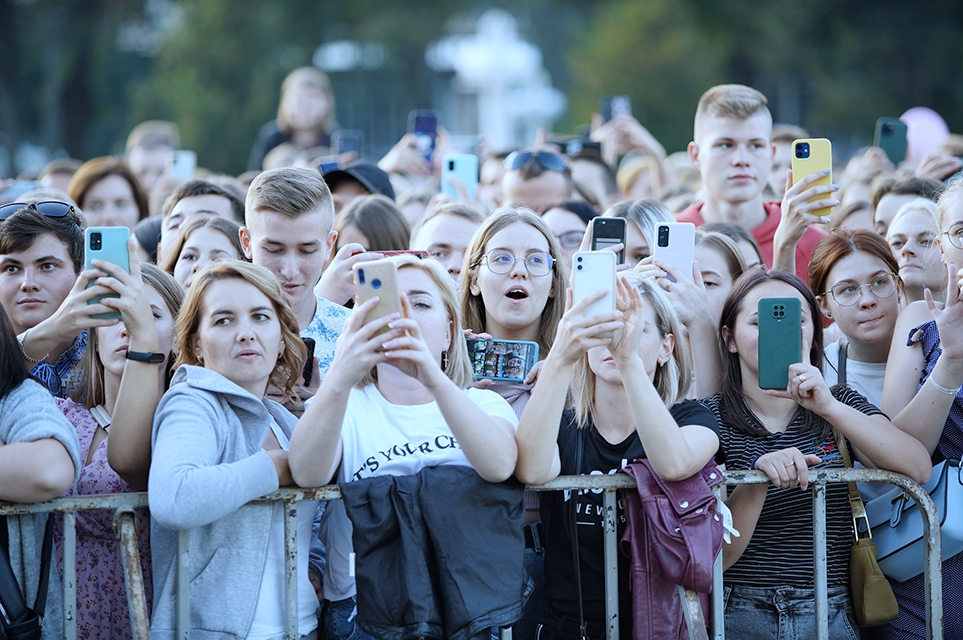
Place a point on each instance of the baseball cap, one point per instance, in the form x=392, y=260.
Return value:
x=367, y=173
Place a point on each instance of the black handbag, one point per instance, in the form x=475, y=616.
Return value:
x=17, y=621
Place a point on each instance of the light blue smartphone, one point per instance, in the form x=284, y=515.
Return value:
x=464, y=167
x=110, y=244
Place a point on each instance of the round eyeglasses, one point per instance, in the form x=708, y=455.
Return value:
x=571, y=239
x=501, y=261
x=955, y=235
x=848, y=293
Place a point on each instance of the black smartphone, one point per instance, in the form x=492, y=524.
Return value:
x=424, y=124
x=509, y=360
x=309, y=363
x=607, y=232
x=615, y=106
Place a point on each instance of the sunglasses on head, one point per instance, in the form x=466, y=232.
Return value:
x=49, y=208
x=545, y=159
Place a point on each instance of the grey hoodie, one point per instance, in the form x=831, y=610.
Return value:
x=207, y=463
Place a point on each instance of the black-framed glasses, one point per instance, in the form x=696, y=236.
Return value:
x=882, y=286
x=49, y=208
x=501, y=261
x=545, y=159
x=571, y=239
x=955, y=235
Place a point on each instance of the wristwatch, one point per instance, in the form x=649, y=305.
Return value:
x=146, y=356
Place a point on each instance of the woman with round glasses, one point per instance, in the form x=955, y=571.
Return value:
x=855, y=277
x=568, y=220
x=923, y=382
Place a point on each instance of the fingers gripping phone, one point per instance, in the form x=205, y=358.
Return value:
x=780, y=340
x=615, y=106
x=607, y=232
x=377, y=278
x=592, y=271
x=890, y=136
x=110, y=244
x=809, y=156
x=675, y=244
x=502, y=359
x=464, y=167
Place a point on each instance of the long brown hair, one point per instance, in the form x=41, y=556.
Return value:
x=93, y=171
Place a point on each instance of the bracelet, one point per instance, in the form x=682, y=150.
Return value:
x=942, y=389
x=20, y=340
x=752, y=464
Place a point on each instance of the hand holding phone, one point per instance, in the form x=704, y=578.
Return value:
x=780, y=340
x=593, y=271
x=890, y=136
x=108, y=244
x=377, y=278
x=608, y=232
x=812, y=156
x=675, y=244
x=463, y=167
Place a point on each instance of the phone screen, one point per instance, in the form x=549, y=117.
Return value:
x=501, y=359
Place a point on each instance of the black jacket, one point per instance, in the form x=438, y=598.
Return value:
x=438, y=554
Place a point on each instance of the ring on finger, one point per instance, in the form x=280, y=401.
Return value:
x=802, y=377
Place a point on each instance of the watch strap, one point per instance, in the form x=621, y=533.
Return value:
x=146, y=356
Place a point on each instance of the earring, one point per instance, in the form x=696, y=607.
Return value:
x=444, y=360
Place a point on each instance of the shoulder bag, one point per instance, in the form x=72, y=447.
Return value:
x=17, y=621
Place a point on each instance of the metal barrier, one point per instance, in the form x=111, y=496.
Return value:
x=125, y=528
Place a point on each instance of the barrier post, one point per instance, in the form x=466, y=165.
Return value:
x=125, y=528
x=821, y=571
x=611, y=550
x=70, y=574
x=183, y=585
x=291, y=568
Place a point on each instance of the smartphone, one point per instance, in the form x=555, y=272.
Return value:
x=809, y=156
x=183, y=165
x=418, y=253
x=615, y=106
x=675, y=243
x=890, y=136
x=377, y=278
x=424, y=124
x=780, y=340
x=309, y=363
x=464, y=167
x=110, y=244
x=592, y=271
x=347, y=140
x=502, y=359
x=607, y=232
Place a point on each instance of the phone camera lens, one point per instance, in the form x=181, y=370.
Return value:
x=802, y=150
x=580, y=258
x=579, y=267
x=360, y=276
x=376, y=284
x=451, y=165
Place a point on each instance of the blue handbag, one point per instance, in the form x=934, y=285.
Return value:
x=897, y=523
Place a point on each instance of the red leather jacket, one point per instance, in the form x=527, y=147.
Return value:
x=673, y=535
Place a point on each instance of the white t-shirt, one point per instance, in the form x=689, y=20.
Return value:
x=380, y=438
x=864, y=377
x=269, y=615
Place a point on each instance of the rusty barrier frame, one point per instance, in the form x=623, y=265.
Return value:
x=125, y=528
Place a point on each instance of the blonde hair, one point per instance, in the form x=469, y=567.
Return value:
x=735, y=101
x=291, y=191
x=287, y=373
x=319, y=80
x=458, y=369
x=672, y=378
x=919, y=204
x=949, y=198
x=473, y=307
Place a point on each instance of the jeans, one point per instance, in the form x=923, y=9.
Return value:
x=340, y=620
x=785, y=613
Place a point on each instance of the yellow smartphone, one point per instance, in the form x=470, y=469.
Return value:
x=377, y=278
x=809, y=156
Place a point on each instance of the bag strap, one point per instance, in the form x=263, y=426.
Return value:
x=13, y=607
x=579, y=448
x=40, y=603
x=841, y=367
x=855, y=501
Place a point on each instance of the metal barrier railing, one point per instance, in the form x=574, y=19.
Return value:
x=125, y=528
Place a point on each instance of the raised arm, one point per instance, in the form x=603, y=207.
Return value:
x=797, y=216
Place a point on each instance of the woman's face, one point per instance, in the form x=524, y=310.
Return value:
x=871, y=319
x=636, y=246
x=744, y=338
x=305, y=106
x=913, y=240
x=112, y=341
x=717, y=278
x=952, y=220
x=654, y=349
x=349, y=234
x=514, y=301
x=110, y=203
x=202, y=247
x=427, y=308
x=569, y=230
x=239, y=334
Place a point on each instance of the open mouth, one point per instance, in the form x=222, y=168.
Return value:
x=517, y=294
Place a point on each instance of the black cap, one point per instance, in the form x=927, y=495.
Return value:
x=367, y=173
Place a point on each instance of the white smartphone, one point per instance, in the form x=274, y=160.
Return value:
x=592, y=271
x=183, y=164
x=675, y=244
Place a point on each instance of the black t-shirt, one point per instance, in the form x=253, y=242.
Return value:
x=599, y=457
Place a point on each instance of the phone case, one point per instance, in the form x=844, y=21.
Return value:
x=890, y=136
x=780, y=340
x=464, y=166
x=819, y=157
x=675, y=244
x=112, y=247
x=591, y=271
x=509, y=360
x=606, y=232
x=377, y=278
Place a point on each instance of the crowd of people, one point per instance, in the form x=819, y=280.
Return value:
x=188, y=373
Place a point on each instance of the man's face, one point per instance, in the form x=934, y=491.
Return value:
x=294, y=249
x=149, y=164
x=538, y=193
x=345, y=191
x=734, y=156
x=445, y=238
x=36, y=281
x=184, y=210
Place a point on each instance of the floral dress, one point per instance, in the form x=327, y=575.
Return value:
x=102, y=608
